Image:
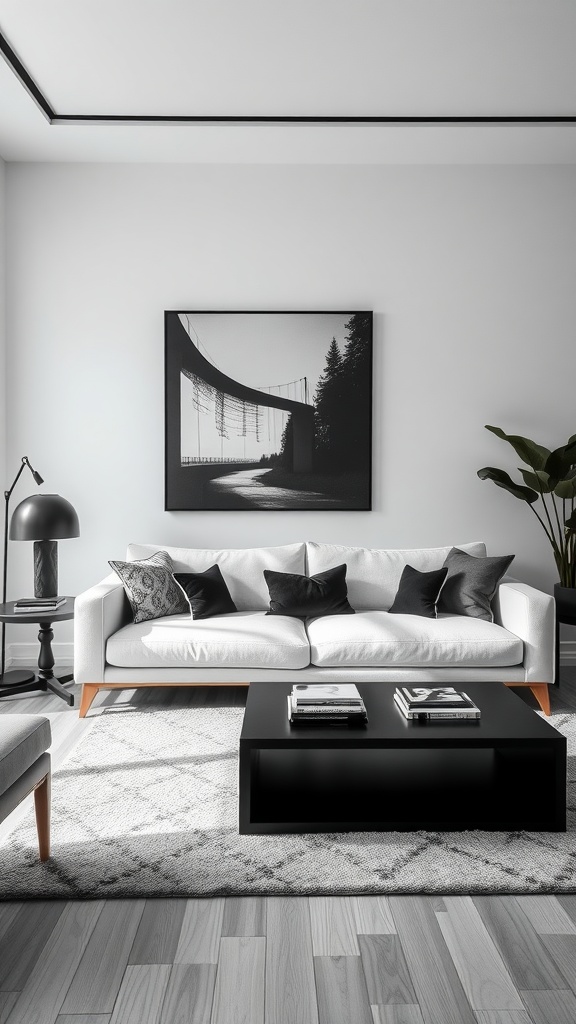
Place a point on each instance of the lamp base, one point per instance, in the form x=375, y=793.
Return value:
x=15, y=678
x=45, y=568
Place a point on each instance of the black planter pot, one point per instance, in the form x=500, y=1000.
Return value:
x=565, y=598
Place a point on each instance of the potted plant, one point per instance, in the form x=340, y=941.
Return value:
x=551, y=480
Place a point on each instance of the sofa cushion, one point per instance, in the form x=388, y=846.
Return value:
x=378, y=638
x=471, y=583
x=418, y=592
x=239, y=640
x=373, y=574
x=304, y=596
x=242, y=568
x=149, y=586
x=206, y=592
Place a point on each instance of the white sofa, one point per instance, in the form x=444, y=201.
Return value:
x=110, y=650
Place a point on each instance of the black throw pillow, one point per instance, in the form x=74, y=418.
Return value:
x=471, y=584
x=418, y=592
x=308, y=596
x=206, y=592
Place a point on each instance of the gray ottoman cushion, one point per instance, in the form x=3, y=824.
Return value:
x=23, y=738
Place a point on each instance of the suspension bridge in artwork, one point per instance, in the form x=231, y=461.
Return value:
x=238, y=410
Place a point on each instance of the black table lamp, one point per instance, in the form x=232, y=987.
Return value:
x=15, y=676
x=44, y=519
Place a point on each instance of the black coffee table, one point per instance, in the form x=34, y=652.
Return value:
x=505, y=772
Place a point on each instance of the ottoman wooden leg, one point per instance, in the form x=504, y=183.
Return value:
x=42, y=808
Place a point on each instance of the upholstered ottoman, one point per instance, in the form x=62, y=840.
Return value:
x=25, y=767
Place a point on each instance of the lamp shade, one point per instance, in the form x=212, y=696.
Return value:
x=44, y=517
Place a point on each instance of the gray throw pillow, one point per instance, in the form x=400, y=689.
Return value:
x=150, y=588
x=471, y=584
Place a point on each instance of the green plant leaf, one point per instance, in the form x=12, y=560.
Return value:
x=561, y=460
x=502, y=479
x=538, y=479
x=566, y=488
x=534, y=455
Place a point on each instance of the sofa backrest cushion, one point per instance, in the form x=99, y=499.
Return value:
x=373, y=574
x=242, y=568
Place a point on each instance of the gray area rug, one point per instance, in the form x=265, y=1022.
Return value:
x=146, y=805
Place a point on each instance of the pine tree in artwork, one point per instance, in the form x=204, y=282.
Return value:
x=286, y=456
x=327, y=401
x=356, y=407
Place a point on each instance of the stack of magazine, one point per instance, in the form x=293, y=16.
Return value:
x=439, y=703
x=326, y=702
x=31, y=605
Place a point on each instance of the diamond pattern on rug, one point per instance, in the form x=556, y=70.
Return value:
x=147, y=805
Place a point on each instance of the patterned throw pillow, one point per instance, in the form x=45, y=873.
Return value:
x=150, y=588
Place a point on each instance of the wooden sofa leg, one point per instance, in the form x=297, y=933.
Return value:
x=42, y=809
x=542, y=694
x=89, y=691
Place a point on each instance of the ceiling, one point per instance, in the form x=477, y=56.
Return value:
x=160, y=59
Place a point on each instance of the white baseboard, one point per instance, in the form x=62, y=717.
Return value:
x=27, y=654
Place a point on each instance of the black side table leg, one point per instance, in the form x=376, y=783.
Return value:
x=57, y=688
x=46, y=664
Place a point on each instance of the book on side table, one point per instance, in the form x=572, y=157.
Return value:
x=435, y=703
x=326, y=702
x=27, y=605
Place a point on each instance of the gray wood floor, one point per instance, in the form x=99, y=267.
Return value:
x=321, y=960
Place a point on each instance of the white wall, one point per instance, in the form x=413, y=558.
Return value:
x=3, y=325
x=470, y=272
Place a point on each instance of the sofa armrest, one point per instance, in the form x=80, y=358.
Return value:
x=98, y=613
x=529, y=613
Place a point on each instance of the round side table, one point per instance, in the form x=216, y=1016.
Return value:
x=45, y=680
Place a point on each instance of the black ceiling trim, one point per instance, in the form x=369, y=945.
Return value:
x=209, y=119
x=25, y=78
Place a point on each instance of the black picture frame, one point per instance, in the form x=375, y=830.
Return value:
x=301, y=444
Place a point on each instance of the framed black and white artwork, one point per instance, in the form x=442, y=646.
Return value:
x=268, y=410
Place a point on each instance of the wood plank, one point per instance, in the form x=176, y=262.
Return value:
x=290, y=986
x=44, y=992
x=83, y=1018
x=239, y=991
x=189, y=994
x=141, y=994
x=503, y=1017
x=562, y=949
x=546, y=915
x=199, y=941
x=244, y=915
x=568, y=903
x=341, y=990
x=398, y=1014
x=385, y=970
x=158, y=932
x=97, y=981
x=438, y=988
x=25, y=939
x=333, y=926
x=8, y=912
x=558, y=1006
x=522, y=950
x=7, y=1001
x=372, y=915
x=480, y=967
